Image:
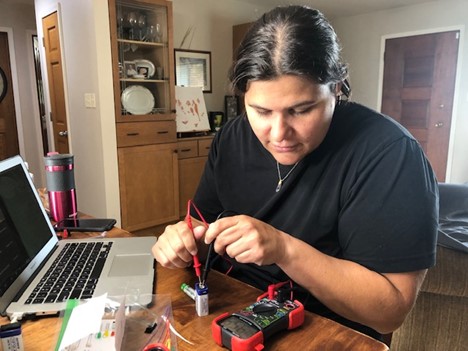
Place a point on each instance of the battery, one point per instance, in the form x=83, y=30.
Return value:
x=188, y=290
x=201, y=299
x=11, y=337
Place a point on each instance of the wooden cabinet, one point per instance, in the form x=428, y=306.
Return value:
x=143, y=75
x=143, y=60
x=148, y=179
x=144, y=133
x=192, y=153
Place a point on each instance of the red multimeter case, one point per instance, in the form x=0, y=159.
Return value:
x=246, y=330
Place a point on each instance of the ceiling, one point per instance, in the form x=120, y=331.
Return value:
x=340, y=8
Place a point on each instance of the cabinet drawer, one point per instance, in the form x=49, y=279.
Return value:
x=144, y=133
x=188, y=148
x=204, y=146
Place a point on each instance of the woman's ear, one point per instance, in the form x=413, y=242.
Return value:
x=338, y=87
x=337, y=91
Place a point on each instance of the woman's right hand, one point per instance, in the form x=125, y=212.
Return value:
x=176, y=247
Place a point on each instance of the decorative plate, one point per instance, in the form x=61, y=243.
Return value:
x=137, y=100
x=147, y=64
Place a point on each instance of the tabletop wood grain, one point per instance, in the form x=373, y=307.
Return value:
x=225, y=295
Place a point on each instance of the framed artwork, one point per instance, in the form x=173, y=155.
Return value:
x=191, y=115
x=193, y=69
x=130, y=69
x=217, y=120
x=231, y=106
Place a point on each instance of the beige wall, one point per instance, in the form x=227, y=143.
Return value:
x=361, y=37
x=212, y=22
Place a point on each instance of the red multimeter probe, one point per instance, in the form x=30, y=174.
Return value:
x=246, y=330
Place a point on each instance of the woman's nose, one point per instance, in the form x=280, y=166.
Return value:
x=279, y=127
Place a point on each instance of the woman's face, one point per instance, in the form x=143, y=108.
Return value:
x=290, y=115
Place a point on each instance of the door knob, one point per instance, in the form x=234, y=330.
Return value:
x=439, y=124
x=63, y=133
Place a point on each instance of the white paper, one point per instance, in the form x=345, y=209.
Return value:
x=104, y=340
x=191, y=113
x=85, y=320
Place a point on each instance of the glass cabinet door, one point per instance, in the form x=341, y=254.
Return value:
x=142, y=46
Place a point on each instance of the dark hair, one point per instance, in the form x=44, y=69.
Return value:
x=295, y=40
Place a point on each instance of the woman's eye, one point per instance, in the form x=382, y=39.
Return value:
x=263, y=112
x=300, y=112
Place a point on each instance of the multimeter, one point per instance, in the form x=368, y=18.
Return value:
x=247, y=329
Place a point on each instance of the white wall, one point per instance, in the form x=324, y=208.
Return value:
x=212, y=21
x=361, y=37
x=18, y=20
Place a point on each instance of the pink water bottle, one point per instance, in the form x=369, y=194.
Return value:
x=60, y=179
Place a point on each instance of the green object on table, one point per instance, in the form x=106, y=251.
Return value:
x=71, y=304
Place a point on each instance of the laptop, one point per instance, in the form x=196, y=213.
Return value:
x=29, y=248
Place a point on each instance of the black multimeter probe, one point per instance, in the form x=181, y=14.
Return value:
x=209, y=260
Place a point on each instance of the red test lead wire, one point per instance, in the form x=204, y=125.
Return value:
x=196, y=266
x=188, y=220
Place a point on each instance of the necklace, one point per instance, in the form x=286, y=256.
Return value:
x=281, y=180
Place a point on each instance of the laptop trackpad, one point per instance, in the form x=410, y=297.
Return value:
x=129, y=265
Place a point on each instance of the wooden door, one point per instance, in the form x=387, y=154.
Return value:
x=418, y=89
x=58, y=112
x=8, y=133
x=238, y=33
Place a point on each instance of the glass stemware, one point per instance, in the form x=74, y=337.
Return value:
x=141, y=26
x=120, y=24
x=150, y=33
x=132, y=22
x=158, y=33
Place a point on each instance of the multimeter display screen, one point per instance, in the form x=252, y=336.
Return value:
x=238, y=327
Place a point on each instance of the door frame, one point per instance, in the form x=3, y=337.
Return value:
x=456, y=94
x=15, y=84
x=35, y=106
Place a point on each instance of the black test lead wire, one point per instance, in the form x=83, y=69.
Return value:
x=209, y=261
x=207, y=266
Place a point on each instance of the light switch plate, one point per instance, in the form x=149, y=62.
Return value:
x=90, y=100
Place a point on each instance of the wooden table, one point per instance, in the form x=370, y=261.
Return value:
x=226, y=295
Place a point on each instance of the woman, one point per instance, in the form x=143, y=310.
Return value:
x=330, y=194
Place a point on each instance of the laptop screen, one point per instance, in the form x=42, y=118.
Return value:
x=23, y=228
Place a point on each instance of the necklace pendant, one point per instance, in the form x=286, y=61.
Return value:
x=278, y=187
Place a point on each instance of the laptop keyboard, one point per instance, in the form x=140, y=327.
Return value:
x=74, y=273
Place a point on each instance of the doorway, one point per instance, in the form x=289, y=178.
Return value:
x=418, y=90
x=9, y=145
x=53, y=53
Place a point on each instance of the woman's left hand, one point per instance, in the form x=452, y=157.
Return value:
x=247, y=240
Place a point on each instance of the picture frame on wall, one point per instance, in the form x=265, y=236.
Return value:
x=217, y=120
x=193, y=69
x=231, y=106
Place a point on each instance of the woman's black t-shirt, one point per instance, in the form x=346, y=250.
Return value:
x=367, y=194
